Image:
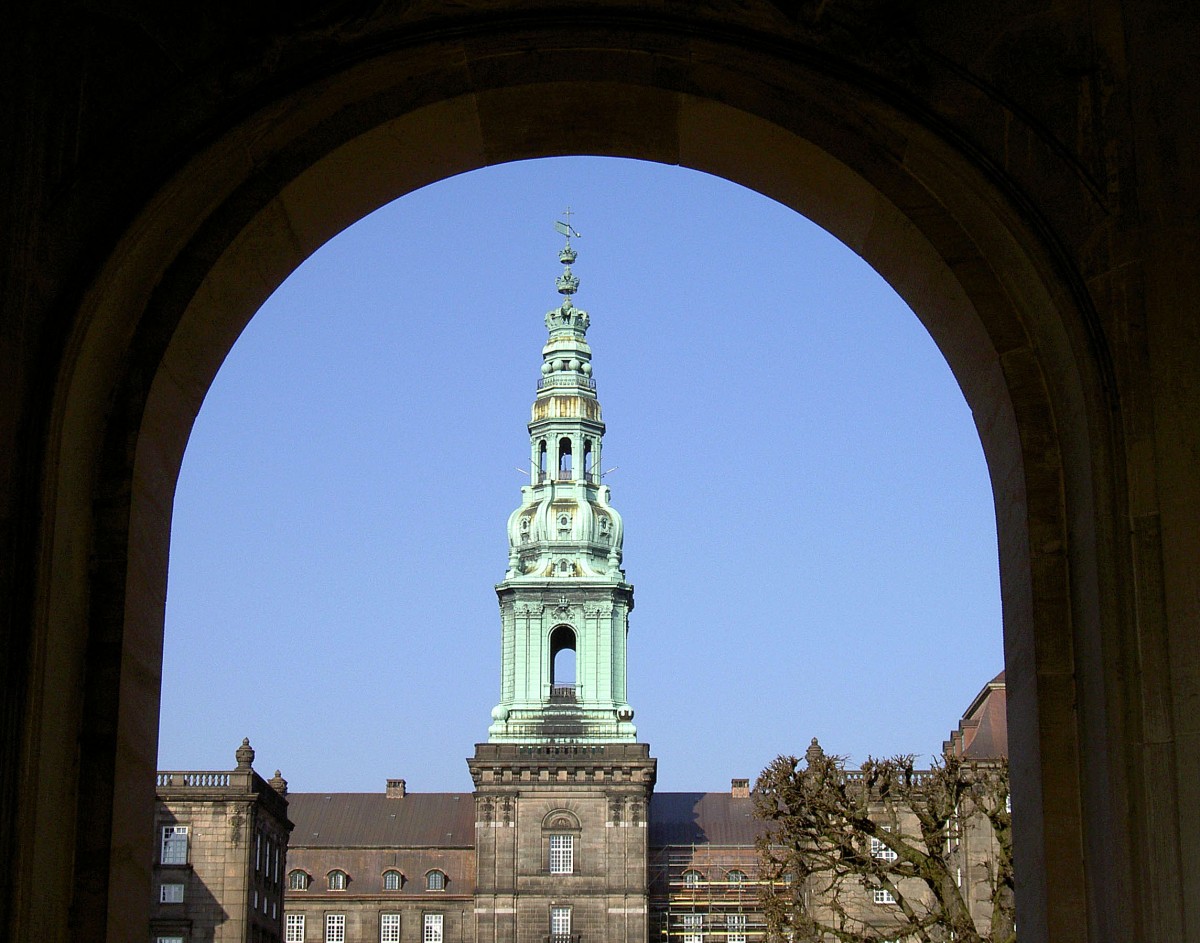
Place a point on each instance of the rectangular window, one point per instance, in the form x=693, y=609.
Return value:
x=389, y=928
x=335, y=928
x=735, y=928
x=562, y=854
x=170, y=893
x=258, y=852
x=168, y=939
x=880, y=850
x=174, y=844
x=294, y=933
x=882, y=896
x=693, y=928
x=560, y=921
x=433, y=929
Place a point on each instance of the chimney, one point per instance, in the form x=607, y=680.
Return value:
x=395, y=789
x=740, y=788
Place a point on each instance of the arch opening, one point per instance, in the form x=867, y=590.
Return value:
x=972, y=309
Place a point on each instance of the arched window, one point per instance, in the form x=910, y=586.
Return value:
x=435, y=881
x=588, y=467
x=542, y=458
x=562, y=663
x=337, y=880
x=736, y=877
x=564, y=459
x=391, y=880
x=692, y=878
x=298, y=880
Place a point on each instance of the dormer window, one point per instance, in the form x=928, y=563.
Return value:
x=692, y=878
x=298, y=880
x=392, y=880
x=736, y=877
x=337, y=880
x=435, y=881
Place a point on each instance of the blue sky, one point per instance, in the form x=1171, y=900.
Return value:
x=809, y=523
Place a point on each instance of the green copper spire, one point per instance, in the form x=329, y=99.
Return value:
x=564, y=589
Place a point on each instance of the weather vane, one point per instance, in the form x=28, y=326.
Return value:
x=565, y=228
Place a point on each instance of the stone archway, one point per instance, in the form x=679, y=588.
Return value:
x=947, y=231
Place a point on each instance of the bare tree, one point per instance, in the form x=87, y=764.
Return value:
x=887, y=852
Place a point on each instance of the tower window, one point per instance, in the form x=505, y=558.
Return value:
x=560, y=923
x=588, y=467
x=542, y=458
x=562, y=663
x=562, y=854
x=564, y=459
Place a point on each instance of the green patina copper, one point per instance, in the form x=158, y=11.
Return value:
x=564, y=586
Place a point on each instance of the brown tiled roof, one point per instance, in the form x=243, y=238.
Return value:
x=693, y=818
x=371, y=819
x=983, y=731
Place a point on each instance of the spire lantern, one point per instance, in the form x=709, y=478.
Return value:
x=564, y=590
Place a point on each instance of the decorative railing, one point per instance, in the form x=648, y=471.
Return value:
x=562, y=693
x=203, y=779
x=565, y=379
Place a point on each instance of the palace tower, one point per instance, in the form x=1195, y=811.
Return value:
x=562, y=787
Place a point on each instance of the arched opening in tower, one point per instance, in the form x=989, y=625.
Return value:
x=564, y=459
x=562, y=663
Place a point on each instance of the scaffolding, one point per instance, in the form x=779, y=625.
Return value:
x=706, y=894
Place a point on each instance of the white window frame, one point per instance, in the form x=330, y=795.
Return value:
x=298, y=879
x=337, y=879
x=389, y=928
x=433, y=929
x=560, y=921
x=562, y=854
x=168, y=939
x=335, y=928
x=435, y=877
x=693, y=928
x=170, y=893
x=174, y=837
x=391, y=874
x=692, y=878
x=735, y=928
x=880, y=850
x=294, y=929
x=881, y=895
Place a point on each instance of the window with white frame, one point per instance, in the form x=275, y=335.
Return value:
x=736, y=877
x=170, y=893
x=335, y=928
x=880, y=850
x=433, y=929
x=435, y=881
x=298, y=880
x=562, y=854
x=693, y=928
x=389, y=928
x=294, y=929
x=337, y=880
x=735, y=928
x=174, y=844
x=168, y=939
x=881, y=895
x=692, y=878
x=560, y=921
x=391, y=880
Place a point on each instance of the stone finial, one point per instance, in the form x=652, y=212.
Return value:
x=245, y=754
x=278, y=783
x=814, y=754
x=396, y=789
